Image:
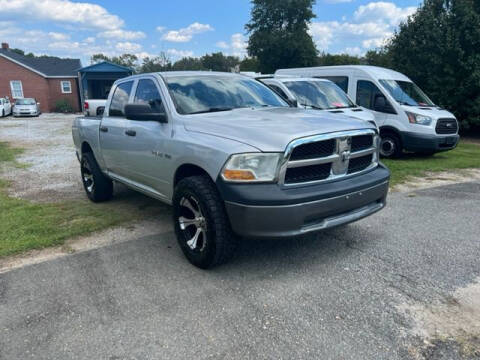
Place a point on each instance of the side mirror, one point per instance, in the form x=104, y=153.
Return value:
x=143, y=112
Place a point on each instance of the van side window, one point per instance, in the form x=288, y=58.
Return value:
x=340, y=81
x=120, y=99
x=147, y=93
x=366, y=94
x=278, y=90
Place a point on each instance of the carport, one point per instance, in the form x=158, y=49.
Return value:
x=96, y=80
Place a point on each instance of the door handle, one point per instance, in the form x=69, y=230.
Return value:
x=130, y=132
x=103, y=129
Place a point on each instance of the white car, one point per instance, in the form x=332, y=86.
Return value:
x=317, y=94
x=94, y=107
x=26, y=107
x=407, y=118
x=5, y=107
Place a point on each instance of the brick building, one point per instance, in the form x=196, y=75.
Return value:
x=47, y=79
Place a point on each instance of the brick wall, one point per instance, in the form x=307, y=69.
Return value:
x=45, y=90
x=55, y=92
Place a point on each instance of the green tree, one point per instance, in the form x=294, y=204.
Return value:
x=378, y=57
x=219, y=62
x=128, y=60
x=161, y=62
x=249, y=64
x=188, y=63
x=278, y=34
x=338, y=59
x=439, y=48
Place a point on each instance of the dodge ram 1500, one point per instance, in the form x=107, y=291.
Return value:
x=232, y=158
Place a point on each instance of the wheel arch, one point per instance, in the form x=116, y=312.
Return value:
x=188, y=169
x=86, y=148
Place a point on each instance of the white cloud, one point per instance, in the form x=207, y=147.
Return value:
x=186, y=34
x=58, y=36
x=121, y=34
x=222, y=45
x=373, y=24
x=237, y=45
x=128, y=47
x=89, y=40
x=179, y=53
x=386, y=12
x=62, y=11
x=160, y=28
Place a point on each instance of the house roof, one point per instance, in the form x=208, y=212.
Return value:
x=47, y=66
x=106, y=66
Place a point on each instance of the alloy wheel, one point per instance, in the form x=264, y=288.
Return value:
x=192, y=224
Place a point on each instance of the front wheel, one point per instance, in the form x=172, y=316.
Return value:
x=201, y=224
x=97, y=186
x=390, y=146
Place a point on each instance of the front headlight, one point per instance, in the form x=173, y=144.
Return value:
x=418, y=119
x=252, y=167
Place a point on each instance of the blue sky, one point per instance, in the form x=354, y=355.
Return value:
x=182, y=28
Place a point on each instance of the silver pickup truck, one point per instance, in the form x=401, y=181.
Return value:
x=231, y=157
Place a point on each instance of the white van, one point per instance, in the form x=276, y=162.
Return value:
x=318, y=94
x=407, y=118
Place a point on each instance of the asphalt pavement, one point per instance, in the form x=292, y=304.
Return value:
x=334, y=295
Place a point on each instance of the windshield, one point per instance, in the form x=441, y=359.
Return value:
x=319, y=94
x=406, y=93
x=25, y=102
x=200, y=94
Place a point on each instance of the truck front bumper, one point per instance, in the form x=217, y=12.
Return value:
x=428, y=143
x=291, y=212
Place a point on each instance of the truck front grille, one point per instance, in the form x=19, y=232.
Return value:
x=331, y=156
x=446, y=126
x=313, y=150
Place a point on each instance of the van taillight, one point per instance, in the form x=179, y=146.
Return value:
x=85, y=105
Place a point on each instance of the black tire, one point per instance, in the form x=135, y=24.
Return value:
x=216, y=243
x=97, y=186
x=3, y=113
x=390, y=145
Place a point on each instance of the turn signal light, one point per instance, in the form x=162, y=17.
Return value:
x=238, y=175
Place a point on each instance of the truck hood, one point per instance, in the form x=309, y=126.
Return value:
x=270, y=129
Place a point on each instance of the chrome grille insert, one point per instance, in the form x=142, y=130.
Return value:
x=354, y=152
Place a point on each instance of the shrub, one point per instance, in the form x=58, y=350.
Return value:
x=63, y=106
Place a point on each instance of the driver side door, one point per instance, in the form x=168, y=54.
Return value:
x=367, y=95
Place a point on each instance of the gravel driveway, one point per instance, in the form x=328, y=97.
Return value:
x=402, y=284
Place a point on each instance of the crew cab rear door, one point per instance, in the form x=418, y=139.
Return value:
x=112, y=131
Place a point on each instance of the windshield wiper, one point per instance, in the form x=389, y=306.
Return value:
x=212, y=109
x=312, y=106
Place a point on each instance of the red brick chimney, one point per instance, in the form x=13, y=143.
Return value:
x=5, y=46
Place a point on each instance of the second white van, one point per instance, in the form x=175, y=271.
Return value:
x=407, y=118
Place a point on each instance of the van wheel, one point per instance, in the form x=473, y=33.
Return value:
x=390, y=146
x=97, y=186
x=201, y=224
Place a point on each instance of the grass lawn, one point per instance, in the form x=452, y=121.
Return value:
x=26, y=225
x=466, y=155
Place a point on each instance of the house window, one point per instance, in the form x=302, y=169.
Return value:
x=17, y=89
x=66, y=87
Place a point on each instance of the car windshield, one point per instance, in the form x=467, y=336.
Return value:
x=201, y=94
x=406, y=93
x=319, y=94
x=25, y=102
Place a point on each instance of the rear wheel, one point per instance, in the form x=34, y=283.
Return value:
x=97, y=186
x=201, y=223
x=3, y=113
x=390, y=145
